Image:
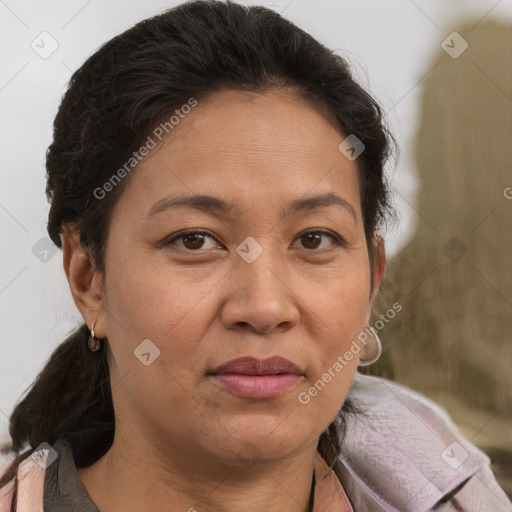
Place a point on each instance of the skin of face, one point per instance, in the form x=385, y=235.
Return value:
x=180, y=437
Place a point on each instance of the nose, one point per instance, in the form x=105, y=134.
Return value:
x=260, y=296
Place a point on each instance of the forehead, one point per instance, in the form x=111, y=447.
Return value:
x=268, y=147
x=272, y=122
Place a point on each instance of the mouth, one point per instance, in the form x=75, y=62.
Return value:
x=249, y=377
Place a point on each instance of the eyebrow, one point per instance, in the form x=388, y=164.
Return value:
x=218, y=206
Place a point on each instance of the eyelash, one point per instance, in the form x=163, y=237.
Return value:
x=337, y=240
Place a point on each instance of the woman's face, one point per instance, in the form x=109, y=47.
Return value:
x=254, y=284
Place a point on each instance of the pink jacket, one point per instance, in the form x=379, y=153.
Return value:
x=403, y=454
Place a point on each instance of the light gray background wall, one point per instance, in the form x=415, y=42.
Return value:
x=391, y=44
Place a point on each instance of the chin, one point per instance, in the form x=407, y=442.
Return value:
x=256, y=446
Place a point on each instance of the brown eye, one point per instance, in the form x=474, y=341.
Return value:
x=191, y=240
x=311, y=240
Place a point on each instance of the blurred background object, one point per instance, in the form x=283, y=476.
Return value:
x=452, y=339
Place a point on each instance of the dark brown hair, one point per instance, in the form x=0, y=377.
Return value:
x=112, y=102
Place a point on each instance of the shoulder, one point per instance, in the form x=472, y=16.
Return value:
x=403, y=448
x=6, y=492
x=30, y=478
x=395, y=405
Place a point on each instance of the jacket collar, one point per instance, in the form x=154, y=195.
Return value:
x=403, y=453
x=329, y=494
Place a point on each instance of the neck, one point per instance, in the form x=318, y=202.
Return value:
x=123, y=480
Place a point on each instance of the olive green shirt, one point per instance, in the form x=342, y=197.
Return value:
x=63, y=489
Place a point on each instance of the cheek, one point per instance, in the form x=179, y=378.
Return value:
x=157, y=303
x=340, y=324
x=145, y=304
x=340, y=315
x=343, y=305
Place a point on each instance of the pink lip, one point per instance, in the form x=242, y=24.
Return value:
x=254, y=386
x=250, y=377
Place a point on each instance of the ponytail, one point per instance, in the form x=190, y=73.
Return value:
x=70, y=398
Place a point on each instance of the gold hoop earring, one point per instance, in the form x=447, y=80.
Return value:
x=93, y=343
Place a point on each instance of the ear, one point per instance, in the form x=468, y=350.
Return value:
x=379, y=264
x=85, y=282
